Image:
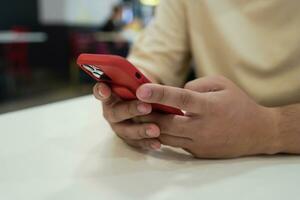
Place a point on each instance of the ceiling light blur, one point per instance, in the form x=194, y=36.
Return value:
x=150, y=2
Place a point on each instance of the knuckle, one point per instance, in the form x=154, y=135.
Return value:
x=141, y=133
x=115, y=115
x=131, y=108
x=130, y=133
x=127, y=108
x=184, y=99
x=121, y=132
x=190, y=85
x=166, y=127
x=110, y=101
x=161, y=95
x=210, y=106
x=111, y=115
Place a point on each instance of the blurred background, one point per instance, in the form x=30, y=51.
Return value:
x=41, y=39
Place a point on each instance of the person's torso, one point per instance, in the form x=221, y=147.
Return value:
x=255, y=43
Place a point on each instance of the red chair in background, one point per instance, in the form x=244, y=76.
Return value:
x=16, y=55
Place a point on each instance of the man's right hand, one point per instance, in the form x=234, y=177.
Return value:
x=120, y=114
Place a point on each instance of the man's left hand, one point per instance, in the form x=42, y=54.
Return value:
x=220, y=120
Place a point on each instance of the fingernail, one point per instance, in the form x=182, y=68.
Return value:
x=144, y=108
x=155, y=145
x=144, y=92
x=150, y=132
x=99, y=91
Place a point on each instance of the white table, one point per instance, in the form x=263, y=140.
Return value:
x=124, y=36
x=15, y=37
x=67, y=151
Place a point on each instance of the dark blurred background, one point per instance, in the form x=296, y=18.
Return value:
x=41, y=39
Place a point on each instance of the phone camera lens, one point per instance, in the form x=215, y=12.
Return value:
x=138, y=75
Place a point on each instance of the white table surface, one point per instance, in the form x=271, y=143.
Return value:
x=124, y=36
x=15, y=37
x=67, y=151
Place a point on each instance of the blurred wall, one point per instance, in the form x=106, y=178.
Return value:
x=75, y=12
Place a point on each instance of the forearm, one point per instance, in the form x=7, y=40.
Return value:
x=289, y=128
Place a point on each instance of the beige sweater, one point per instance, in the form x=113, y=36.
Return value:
x=255, y=43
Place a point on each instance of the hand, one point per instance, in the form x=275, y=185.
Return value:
x=221, y=121
x=119, y=113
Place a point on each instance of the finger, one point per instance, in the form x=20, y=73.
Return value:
x=103, y=93
x=174, y=141
x=174, y=125
x=132, y=131
x=124, y=110
x=176, y=97
x=150, y=144
x=207, y=84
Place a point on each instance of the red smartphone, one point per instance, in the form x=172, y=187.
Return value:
x=123, y=78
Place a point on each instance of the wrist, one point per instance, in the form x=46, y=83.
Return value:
x=289, y=128
x=273, y=142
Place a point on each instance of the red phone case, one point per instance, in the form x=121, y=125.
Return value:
x=120, y=74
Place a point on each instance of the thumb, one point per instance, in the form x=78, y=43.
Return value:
x=207, y=84
x=103, y=93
